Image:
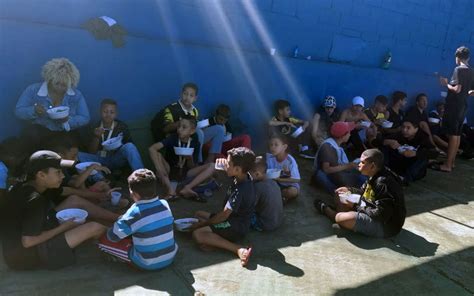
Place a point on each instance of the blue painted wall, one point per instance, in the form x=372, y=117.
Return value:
x=224, y=46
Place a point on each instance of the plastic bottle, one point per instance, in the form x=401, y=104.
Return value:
x=387, y=60
x=296, y=52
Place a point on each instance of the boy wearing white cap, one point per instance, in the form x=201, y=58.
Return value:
x=356, y=114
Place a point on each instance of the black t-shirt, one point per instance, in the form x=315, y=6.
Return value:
x=25, y=214
x=463, y=76
x=414, y=113
x=228, y=127
x=325, y=120
x=119, y=128
x=269, y=204
x=397, y=119
x=421, y=141
x=240, y=197
x=173, y=141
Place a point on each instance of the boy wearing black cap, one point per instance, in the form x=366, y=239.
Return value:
x=32, y=237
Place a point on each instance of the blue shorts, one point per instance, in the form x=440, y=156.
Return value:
x=368, y=226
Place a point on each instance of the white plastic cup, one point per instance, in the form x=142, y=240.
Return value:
x=115, y=197
x=219, y=166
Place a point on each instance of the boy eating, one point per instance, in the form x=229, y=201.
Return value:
x=110, y=127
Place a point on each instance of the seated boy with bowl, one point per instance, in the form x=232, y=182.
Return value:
x=31, y=235
x=380, y=212
x=223, y=229
x=181, y=154
x=362, y=123
x=229, y=141
x=286, y=125
x=121, y=152
x=407, y=152
x=143, y=236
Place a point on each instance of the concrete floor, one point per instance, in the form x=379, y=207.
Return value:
x=433, y=255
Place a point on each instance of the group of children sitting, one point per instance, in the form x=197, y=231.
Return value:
x=141, y=234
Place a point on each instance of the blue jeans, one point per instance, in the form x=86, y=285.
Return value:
x=215, y=134
x=349, y=179
x=127, y=154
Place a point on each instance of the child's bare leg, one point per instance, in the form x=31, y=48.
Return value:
x=95, y=212
x=342, y=207
x=205, y=238
x=78, y=235
x=289, y=193
x=201, y=173
x=346, y=220
x=202, y=215
x=163, y=174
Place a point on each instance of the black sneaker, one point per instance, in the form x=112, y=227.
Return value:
x=320, y=206
x=308, y=154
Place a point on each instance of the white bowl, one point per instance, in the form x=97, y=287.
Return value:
x=183, y=224
x=297, y=132
x=203, y=123
x=79, y=215
x=58, y=112
x=404, y=148
x=112, y=143
x=349, y=197
x=82, y=166
x=433, y=120
x=387, y=124
x=365, y=123
x=273, y=173
x=228, y=137
x=183, y=151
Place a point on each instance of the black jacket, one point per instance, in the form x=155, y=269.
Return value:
x=386, y=202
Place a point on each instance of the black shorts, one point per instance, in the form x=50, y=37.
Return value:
x=453, y=119
x=56, y=253
x=224, y=229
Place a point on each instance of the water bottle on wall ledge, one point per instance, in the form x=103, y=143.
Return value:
x=296, y=52
x=387, y=61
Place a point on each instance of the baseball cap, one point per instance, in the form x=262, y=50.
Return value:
x=329, y=101
x=44, y=159
x=358, y=101
x=340, y=128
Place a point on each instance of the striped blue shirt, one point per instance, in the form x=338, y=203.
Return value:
x=150, y=223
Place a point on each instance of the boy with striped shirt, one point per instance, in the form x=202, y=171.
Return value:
x=149, y=223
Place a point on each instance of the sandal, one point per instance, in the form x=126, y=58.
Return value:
x=172, y=197
x=320, y=206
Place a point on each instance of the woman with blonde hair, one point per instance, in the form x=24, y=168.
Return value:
x=61, y=78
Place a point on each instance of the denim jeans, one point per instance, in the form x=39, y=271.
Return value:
x=127, y=154
x=346, y=178
x=215, y=134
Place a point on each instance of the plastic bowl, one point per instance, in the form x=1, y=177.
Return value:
x=357, y=160
x=79, y=215
x=82, y=166
x=183, y=151
x=297, y=132
x=112, y=143
x=387, y=124
x=58, y=112
x=273, y=173
x=365, y=123
x=349, y=197
x=203, y=123
x=183, y=224
x=228, y=137
x=433, y=120
x=404, y=148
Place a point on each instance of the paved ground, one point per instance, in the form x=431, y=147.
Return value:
x=433, y=255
